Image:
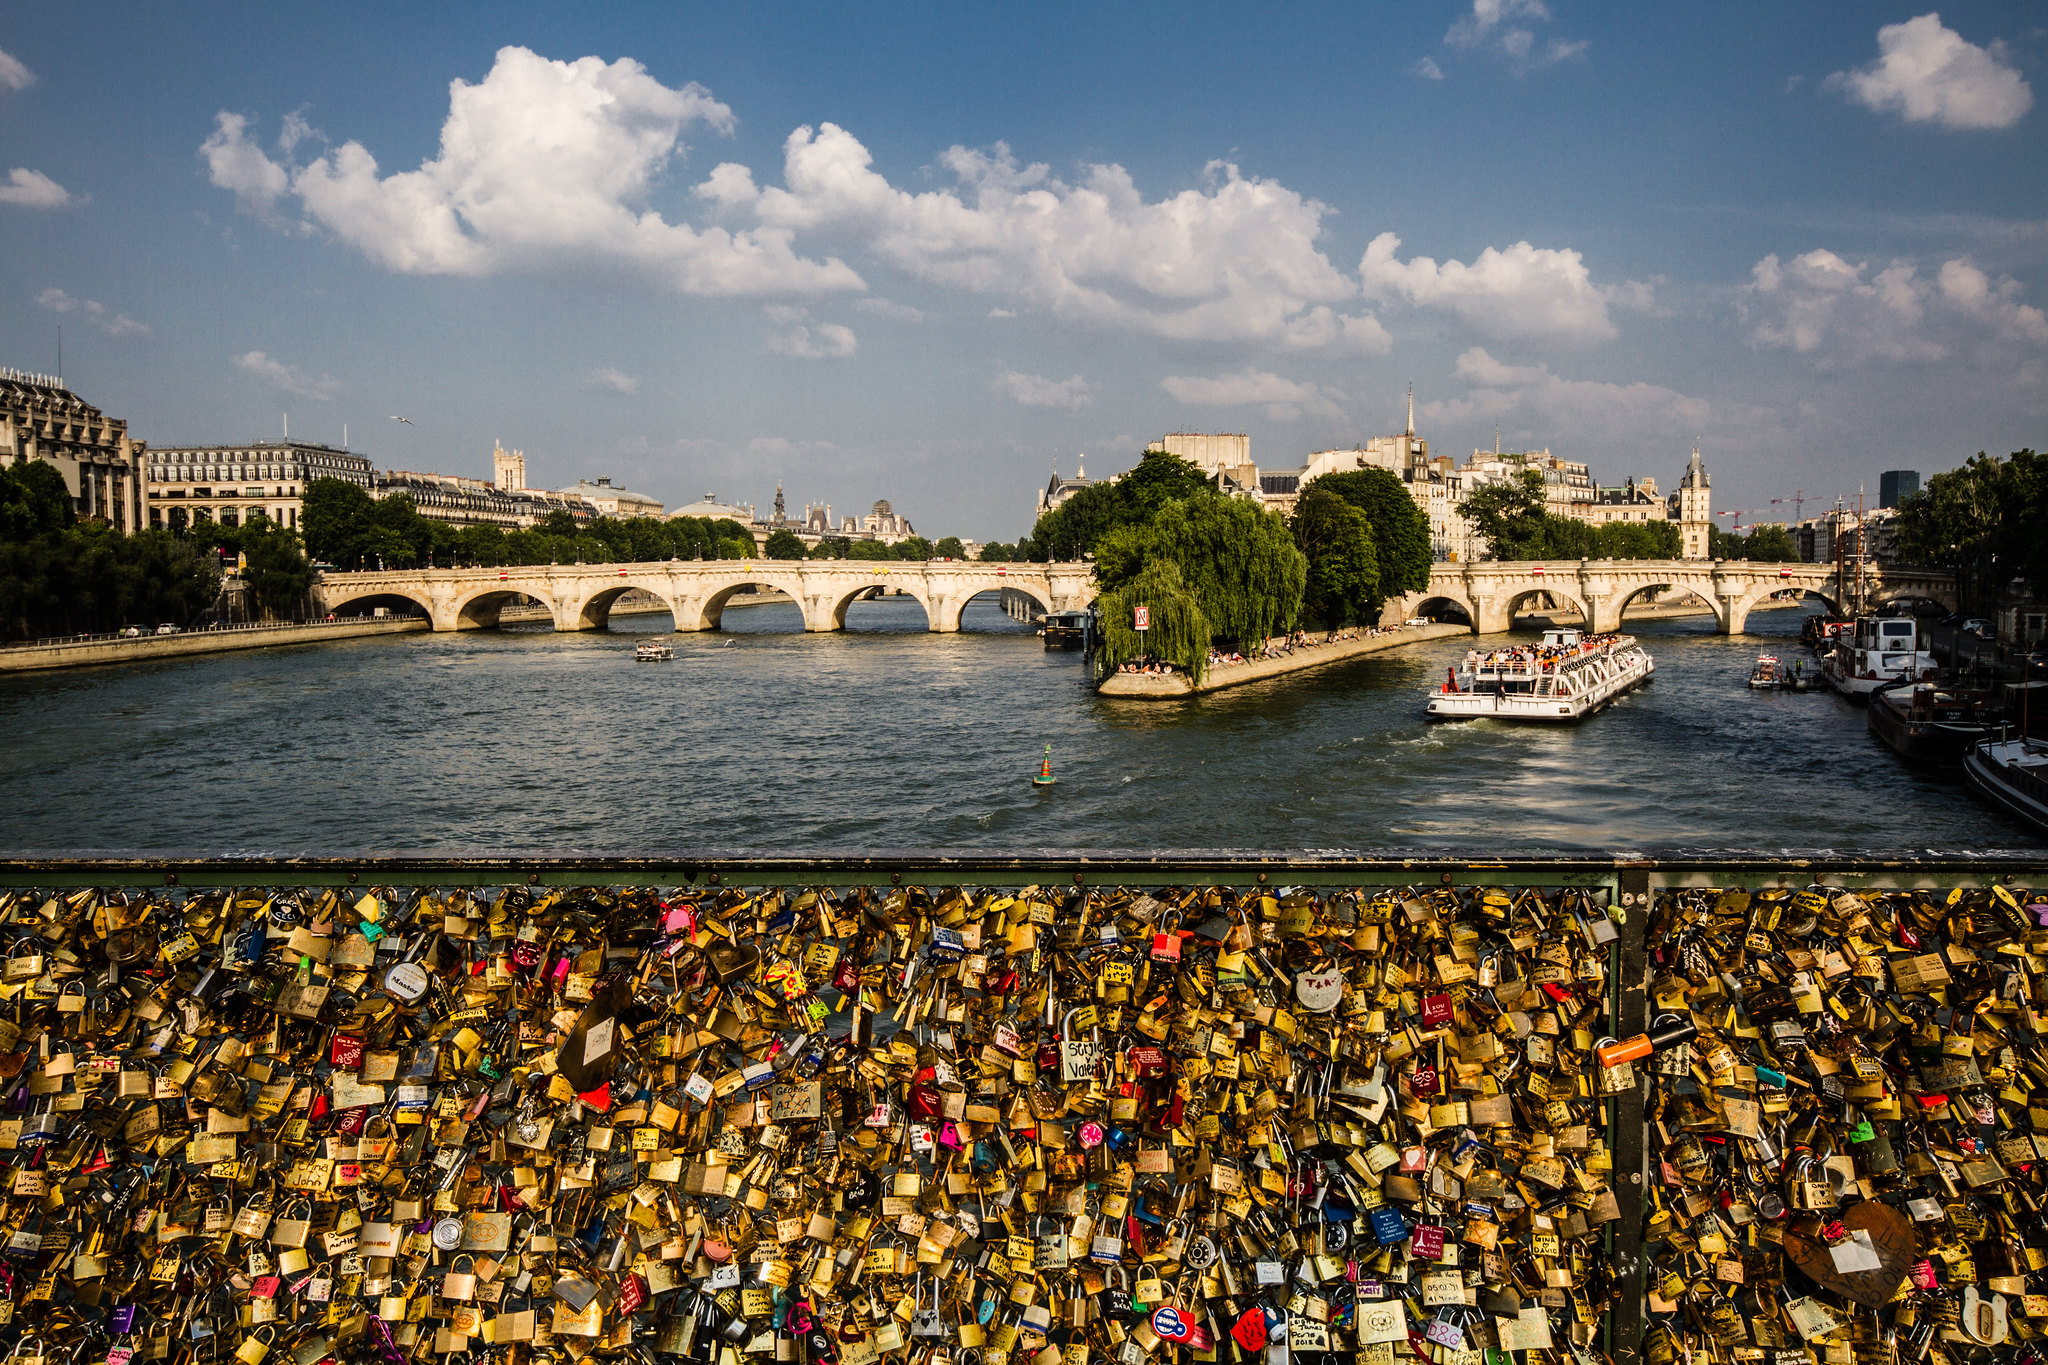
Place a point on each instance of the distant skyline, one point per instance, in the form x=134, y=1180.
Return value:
x=926, y=254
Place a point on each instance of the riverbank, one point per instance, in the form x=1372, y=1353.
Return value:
x=1167, y=685
x=135, y=649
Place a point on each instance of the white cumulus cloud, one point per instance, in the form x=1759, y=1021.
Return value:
x=289, y=378
x=1843, y=314
x=1523, y=292
x=1574, y=408
x=543, y=165
x=1036, y=391
x=804, y=339
x=1494, y=23
x=34, y=190
x=14, y=75
x=1427, y=68
x=106, y=319
x=1926, y=72
x=1283, y=400
x=607, y=380
x=1234, y=260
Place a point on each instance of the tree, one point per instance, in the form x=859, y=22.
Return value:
x=335, y=518
x=1636, y=540
x=1400, y=528
x=560, y=522
x=1509, y=515
x=869, y=549
x=949, y=547
x=783, y=544
x=33, y=501
x=1771, y=545
x=830, y=547
x=1071, y=530
x=995, y=552
x=1343, y=581
x=276, y=570
x=1238, y=560
x=914, y=548
x=1176, y=633
x=1983, y=521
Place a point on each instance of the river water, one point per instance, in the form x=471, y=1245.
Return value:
x=886, y=737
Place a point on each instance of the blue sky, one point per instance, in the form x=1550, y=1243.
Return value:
x=925, y=252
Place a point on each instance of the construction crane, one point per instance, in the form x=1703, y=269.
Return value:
x=1741, y=512
x=1798, y=501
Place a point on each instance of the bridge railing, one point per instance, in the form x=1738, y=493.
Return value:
x=1596, y=909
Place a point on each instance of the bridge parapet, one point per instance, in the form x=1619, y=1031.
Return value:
x=1489, y=592
x=581, y=596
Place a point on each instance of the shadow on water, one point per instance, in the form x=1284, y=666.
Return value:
x=887, y=735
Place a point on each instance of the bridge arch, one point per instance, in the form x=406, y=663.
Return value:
x=1502, y=617
x=478, y=608
x=361, y=603
x=594, y=612
x=708, y=612
x=1703, y=593
x=834, y=615
x=952, y=610
x=1436, y=601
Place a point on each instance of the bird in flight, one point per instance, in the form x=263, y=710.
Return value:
x=396, y=418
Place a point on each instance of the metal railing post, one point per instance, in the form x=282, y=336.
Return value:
x=1630, y=1018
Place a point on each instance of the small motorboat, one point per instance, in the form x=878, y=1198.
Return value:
x=1769, y=675
x=651, y=653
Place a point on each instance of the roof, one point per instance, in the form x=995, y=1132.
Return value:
x=706, y=507
x=584, y=488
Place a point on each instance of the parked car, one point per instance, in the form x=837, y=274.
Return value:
x=130, y=632
x=167, y=629
x=1978, y=627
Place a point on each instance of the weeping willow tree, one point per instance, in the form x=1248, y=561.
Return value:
x=1178, y=633
x=1238, y=560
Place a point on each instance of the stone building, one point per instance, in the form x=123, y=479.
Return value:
x=1695, y=508
x=1057, y=490
x=227, y=484
x=462, y=501
x=42, y=419
x=611, y=500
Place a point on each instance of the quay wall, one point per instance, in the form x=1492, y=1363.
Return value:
x=83, y=653
x=1162, y=686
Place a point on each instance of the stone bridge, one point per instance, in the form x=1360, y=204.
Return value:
x=580, y=596
x=1490, y=593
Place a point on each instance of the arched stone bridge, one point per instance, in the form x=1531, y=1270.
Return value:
x=580, y=596
x=1490, y=592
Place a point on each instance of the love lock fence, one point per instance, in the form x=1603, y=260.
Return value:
x=978, y=1110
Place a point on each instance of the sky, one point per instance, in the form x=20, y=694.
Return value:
x=930, y=253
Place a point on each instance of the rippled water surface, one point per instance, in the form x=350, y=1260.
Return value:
x=887, y=737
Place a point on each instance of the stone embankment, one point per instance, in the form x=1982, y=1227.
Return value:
x=1168, y=685
x=135, y=649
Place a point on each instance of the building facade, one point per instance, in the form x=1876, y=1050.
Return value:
x=1635, y=500
x=1695, y=508
x=508, y=468
x=227, y=484
x=1057, y=490
x=462, y=501
x=42, y=419
x=1894, y=486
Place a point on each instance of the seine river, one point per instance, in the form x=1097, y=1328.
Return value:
x=886, y=737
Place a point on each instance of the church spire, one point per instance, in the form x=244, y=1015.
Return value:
x=1411, y=407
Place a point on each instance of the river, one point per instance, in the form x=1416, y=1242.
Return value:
x=886, y=737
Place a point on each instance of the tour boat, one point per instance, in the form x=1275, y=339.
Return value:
x=652, y=653
x=1768, y=675
x=1882, y=650
x=1569, y=676
x=2013, y=775
x=1065, y=629
x=1931, y=723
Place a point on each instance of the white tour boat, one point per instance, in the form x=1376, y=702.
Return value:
x=1568, y=676
x=649, y=652
x=1883, y=650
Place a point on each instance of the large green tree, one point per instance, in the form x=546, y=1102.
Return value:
x=1071, y=530
x=783, y=544
x=1400, y=528
x=949, y=547
x=1510, y=515
x=914, y=547
x=1239, y=561
x=1176, y=631
x=869, y=549
x=1343, y=580
x=1984, y=521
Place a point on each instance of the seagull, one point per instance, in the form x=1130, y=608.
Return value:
x=396, y=418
